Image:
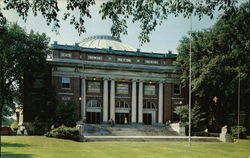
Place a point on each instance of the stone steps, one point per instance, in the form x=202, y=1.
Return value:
x=148, y=139
x=127, y=130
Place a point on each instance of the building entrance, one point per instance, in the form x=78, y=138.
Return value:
x=147, y=119
x=120, y=118
x=94, y=117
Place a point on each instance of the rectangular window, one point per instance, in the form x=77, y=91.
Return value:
x=66, y=98
x=65, y=82
x=66, y=55
x=122, y=88
x=177, y=89
x=149, y=90
x=94, y=87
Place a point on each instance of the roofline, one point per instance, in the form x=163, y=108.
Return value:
x=76, y=47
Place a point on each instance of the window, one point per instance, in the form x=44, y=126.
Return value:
x=94, y=87
x=149, y=105
x=122, y=88
x=177, y=89
x=65, y=82
x=122, y=104
x=93, y=103
x=149, y=89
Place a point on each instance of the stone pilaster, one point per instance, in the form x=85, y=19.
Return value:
x=83, y=98
x=105, y=100
x=134, y=101
x=112, y=99
x=140, y=103
x=160, y=101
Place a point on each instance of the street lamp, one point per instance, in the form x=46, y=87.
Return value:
x=190, y=84
x=239, y=108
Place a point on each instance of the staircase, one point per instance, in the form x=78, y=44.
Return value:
x=127, y=130
x=136, y=133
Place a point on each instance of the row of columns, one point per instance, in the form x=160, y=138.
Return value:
x=112, y=101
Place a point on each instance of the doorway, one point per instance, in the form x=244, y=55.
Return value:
x=94, y=117
x=120, y=118
x=147, y=119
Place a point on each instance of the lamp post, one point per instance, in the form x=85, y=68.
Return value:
x=239, y=109
x=190, y=84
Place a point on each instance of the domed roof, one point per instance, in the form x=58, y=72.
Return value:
x=105, y=41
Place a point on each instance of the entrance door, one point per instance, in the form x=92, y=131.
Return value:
x=94, y=117
x=147, y=119
x=120, y=118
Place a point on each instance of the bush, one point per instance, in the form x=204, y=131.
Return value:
x=242, y=131
x=14, y=127
x=66, y=114
x=64, y=132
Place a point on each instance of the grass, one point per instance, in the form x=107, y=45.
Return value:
x=42, y=147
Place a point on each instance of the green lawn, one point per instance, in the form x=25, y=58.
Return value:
x=42, y=147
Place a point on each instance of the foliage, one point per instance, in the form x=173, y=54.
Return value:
x=7, y=121
x=23, y=62
x=242, y=132
x=66, y=114
x=149, y=13
x=197, y=116
x=14, y=126
x=64, y=133
x=182, y=111
x=220, y=57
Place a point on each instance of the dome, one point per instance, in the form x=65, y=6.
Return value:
x=104, y=42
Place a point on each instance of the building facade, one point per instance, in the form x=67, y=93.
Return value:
x=108, y=79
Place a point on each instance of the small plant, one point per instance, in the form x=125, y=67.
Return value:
x=242, y=132
x=64, y=132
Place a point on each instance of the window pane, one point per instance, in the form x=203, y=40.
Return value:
x=65, y=80
x=149, y=90
x=177, y=89
x=122, y=88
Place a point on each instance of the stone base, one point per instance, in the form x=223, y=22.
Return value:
x=226, y=138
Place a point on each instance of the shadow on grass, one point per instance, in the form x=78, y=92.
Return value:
x=14, y=145
x=15, y=155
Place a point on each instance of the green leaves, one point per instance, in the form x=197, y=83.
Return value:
x=219, y=54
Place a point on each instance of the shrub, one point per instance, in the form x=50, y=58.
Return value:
x=64, y=132
x=242, y=132
x=14, y=126
x=66, y=114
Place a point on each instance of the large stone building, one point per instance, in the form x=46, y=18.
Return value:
x=108, y=79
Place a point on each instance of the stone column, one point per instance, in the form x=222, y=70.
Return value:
x=133, y=101
x=140, y=103
x=112, y=99
x=160, y=103
x=83, y=98
x=105, y=100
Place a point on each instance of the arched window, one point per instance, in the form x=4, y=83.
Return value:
x=122, y=104
x=149, y=105
x=93, y=103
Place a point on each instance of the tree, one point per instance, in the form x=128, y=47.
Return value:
x=220, y=56
x=20, y=55
x=66, y=114
x=198, y=117
x=149, y=13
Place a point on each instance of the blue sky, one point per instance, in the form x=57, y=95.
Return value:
x=165, y=37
